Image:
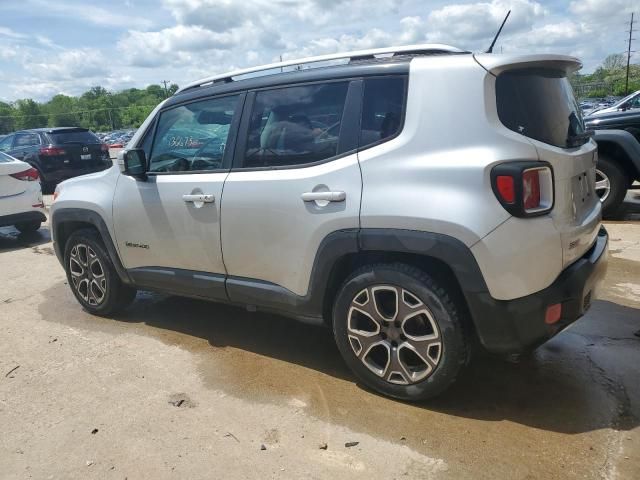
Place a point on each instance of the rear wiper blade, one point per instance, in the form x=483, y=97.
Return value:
x=579, y=138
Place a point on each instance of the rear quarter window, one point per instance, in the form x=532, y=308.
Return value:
x=539, y=104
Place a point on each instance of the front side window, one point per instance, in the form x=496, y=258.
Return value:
x=295, y=125
x=193, y=137
x=382, y=109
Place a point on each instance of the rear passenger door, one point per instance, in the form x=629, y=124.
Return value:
x=295, y=180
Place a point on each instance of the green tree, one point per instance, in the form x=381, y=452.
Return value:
x=29, y=115
x=7, y=118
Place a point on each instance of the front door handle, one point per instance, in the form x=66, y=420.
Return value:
x=324, y=196
x=199, y=198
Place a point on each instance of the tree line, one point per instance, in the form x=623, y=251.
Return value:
x=608, y=79
x=97, y=109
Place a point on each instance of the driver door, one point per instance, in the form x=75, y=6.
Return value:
x=168, y=226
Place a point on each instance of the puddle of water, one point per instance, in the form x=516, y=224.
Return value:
x=529, y=407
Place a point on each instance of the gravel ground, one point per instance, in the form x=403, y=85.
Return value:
x=178, y=388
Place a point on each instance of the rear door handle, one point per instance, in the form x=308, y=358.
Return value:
x=326, y=196
x=199, y=198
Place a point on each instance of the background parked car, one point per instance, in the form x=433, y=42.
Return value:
x=628, y=120
x=629, y=102
x=20, y=195
x=58, y=153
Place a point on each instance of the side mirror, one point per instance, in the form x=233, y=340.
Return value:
x=134, y=163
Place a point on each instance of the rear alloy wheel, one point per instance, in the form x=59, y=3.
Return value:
x=92, y=276
x=400, y=332
x=611, y=184
x=393, y=333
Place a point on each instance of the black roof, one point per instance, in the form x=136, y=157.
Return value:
x=368, y=67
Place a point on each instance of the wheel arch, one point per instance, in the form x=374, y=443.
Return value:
x=447, y=259
x=621, y=146
x=66, y=221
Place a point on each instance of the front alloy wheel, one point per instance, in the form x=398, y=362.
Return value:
x=87, y=274
x=92, y=276
x=393, y=333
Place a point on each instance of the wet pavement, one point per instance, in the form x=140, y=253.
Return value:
x=571, y=409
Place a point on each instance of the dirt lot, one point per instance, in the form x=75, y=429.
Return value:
x=178, y=388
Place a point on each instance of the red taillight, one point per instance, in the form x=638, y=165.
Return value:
x=104, y=147
x=505, y=186
x=30, y=175
x=524, y=188
x=52, y=151
x=531, y=189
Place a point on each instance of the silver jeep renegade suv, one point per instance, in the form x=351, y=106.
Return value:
x=417, y=200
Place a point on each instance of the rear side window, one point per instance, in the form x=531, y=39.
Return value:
x=193, y=137
x=26, y=140
x=540, y=105
x=382, y=109
x=73, y=136
x=295, y=125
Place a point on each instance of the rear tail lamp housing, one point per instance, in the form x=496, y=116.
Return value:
x=50, y=151
x=523, y=188
x=30, y=175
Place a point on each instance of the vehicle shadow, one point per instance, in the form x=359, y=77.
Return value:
x=629, y=211
x=560, y=387
x=11, y=239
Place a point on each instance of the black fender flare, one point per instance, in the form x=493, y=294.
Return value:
x=625, y=141
x=62, y=216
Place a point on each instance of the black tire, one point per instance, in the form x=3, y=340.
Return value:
x=28, y=227
x=618, y=182
x=454, y=347
x=115, y=294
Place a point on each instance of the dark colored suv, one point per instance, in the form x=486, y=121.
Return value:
x=58, y=153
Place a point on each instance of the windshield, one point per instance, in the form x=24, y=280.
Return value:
x=539, y=104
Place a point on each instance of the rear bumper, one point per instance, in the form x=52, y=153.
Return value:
x=515, y=326
x=33, y=216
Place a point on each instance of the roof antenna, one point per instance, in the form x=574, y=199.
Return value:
x=490, y=50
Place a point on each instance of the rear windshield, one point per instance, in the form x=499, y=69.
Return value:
x=4, y=158
x=73, y=136
x=540, y=105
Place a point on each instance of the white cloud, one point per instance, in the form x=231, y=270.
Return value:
x=7, y=32
x=89, y=13
x=70, y=64
x=469, y=23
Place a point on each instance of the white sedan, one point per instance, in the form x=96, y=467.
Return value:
x=21, y=202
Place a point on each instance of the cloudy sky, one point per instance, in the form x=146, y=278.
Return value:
x=67, y=46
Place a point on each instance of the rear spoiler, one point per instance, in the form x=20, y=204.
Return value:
x=496, y=64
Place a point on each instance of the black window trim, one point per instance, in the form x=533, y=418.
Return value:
x=230, y=145
x=403, y=113
x=352, y=107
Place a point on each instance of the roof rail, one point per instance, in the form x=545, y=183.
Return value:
x=422, y=49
